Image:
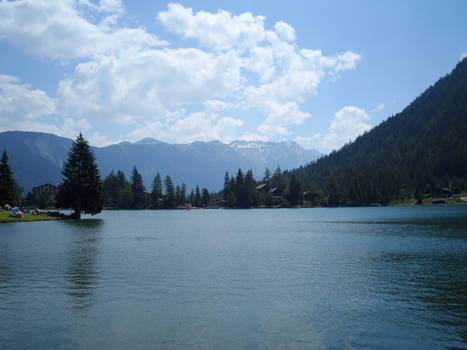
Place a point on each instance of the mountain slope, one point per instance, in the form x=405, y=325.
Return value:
x=285, y=154
x=37, y=158
x=416, y=151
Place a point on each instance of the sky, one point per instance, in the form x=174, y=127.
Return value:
x=316, y=72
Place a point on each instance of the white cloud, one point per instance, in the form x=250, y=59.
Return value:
x=217, y=105
x=27, y=109
x=348, y=123
x=59, y=29
x=218, y=31
x=308, y=142
x=463, y=55
x=124, y=77
x=19, y=102
x=378, y=108
x=280, y=116
x=285, y=31
x=142, y=85
x=198, y=126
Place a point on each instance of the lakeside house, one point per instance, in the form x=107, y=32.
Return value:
x=443, y=192
x=46, y=188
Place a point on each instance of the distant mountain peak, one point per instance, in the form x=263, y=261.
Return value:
x=147, y=141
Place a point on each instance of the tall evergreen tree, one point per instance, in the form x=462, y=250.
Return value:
x=197, y=197
x=278, y=181
x=182, y=198
x=251, y=197
x=192, y=198
x=9, y=189
x=241, y=194
x=226, y=190
x=205, y=197
x=111, y=188
x=170, y=196
x=81, y=188
x=156, y=194
x=295, y=196
x=138, y=189
x=125, y=194
x=267, y=176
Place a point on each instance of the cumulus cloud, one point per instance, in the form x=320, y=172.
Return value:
x=285, y=31
x=60, y=29
x=27, y=109
x=142, y=85
x=348, y=123
x=218, y=31
x=198, y=126
x=19, y=102
x=280, y=116
x=125, y=76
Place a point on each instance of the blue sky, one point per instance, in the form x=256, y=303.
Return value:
x=317, y=72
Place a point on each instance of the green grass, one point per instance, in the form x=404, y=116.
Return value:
x=4, y=217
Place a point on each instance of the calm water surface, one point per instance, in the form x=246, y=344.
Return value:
x=348, y=278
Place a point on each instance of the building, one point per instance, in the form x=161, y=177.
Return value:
x=46, y=188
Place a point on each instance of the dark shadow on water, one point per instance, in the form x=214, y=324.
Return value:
x=5, y=269
x=85, y=223
x=82, y=273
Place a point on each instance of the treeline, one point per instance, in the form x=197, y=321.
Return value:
x=120, y=193
x=243, y=191
x=411, y=155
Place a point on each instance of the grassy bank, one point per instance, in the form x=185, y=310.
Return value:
x=4, y=217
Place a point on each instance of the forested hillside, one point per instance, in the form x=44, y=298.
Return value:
x=416, y=152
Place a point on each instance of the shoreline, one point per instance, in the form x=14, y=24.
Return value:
x=6, y=218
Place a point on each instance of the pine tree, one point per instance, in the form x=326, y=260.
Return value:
x=138, y=189
x=182, y=198
x=251, y=194
x=295, y=196
x=205, y=197
x=111, y=190
x=226, y=190
x=192, y=198
x=156, y=194
x=81, y=188
x=9, y=188
x=267, y=176
x=169, y=188
x=125, y=198
x=197, y=197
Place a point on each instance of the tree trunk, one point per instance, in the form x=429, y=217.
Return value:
x=77, y=213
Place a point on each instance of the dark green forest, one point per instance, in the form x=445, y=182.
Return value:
x=414, y=153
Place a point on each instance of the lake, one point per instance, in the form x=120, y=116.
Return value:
x=324, y=278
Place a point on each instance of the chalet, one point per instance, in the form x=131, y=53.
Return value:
x=443, y=193
x=276, y=193
x=46, y=188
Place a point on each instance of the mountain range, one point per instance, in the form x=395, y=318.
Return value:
x=37, y=158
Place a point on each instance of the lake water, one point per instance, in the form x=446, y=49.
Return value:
x=344, y=278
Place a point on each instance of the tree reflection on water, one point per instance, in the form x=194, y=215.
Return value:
x=82, y=273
